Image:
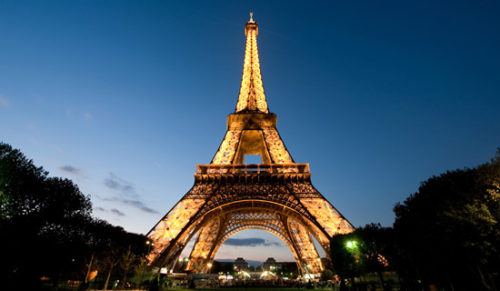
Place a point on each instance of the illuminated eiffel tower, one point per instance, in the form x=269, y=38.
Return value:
x=229, y=196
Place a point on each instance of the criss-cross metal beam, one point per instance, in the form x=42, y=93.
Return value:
x=229, y=196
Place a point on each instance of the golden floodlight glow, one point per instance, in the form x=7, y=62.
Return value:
x=230, y=196
x=251, y=97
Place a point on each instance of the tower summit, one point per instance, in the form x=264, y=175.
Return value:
x=252, y=129
x=230, y=196
x=251, y=97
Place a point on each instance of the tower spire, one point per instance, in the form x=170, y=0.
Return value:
x=251, y=97
x=230, y=195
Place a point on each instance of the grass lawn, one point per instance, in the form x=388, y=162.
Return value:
x=230, y=289
x=251, y=289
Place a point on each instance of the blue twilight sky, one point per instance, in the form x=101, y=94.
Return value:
x=126, y=97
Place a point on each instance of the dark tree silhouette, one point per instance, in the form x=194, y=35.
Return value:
x=345, y=256
x=116, y=251
x=366, y=250
x=448, y=232
x=326, y=275
x=47, y=230
x=445, y=235
x=41, y=221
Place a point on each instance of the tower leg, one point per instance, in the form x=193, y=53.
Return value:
x=202, y=254
x=302, y=239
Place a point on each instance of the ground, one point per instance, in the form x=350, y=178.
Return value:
x=246, y=289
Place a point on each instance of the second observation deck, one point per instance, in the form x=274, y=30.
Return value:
x=252, y=169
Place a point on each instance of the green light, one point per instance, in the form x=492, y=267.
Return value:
x=351, y=244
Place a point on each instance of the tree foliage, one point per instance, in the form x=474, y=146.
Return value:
x=47, y=229
x=448, y=231
x=345, y=260
x=39, y=216
x=326, y=275
x=115, y=251
x=446, y=235
x=363, y=251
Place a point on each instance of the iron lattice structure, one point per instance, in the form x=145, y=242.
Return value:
x=229, y=196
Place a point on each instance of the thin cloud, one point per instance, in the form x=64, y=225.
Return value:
x=71, y=170
x=101, y=209
x=137, y=204
x=250, y=242
x=117, y=212
x=4, y=102
x=123, y=186
x=112, y=210
x=126, y=193
x=134, y=203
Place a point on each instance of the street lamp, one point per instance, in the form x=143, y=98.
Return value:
x=351, y=244
x=149, y=244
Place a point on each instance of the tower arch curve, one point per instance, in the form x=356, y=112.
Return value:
x=229, y=196
x=286, y=223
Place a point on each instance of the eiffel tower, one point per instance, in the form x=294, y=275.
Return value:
x=229, y=196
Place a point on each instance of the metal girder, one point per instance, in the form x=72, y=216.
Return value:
x=251, y=95
x=215, y=218
x=214, y=233
x=229, y=196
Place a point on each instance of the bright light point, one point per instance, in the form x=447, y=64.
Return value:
x=209, y=265
x=350, y=244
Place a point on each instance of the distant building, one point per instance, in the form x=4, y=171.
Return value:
x=222, y=267
x=288, y=269
x=240, y=264
x=270, y=265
